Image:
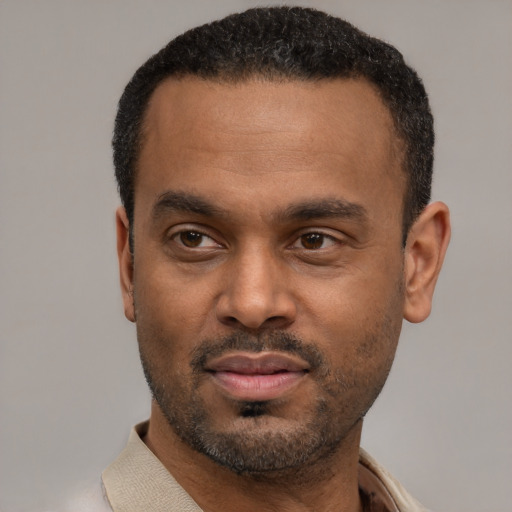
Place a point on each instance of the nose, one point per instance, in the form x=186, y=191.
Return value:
x=256, y=292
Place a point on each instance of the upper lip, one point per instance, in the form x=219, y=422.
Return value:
x=259, y=363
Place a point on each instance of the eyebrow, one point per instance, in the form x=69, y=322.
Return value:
x=324, y=208
x=181, y=202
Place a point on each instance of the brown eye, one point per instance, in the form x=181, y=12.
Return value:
x=191, y=238
x=312, y=240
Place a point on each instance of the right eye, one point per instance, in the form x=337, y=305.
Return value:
x=194, y=240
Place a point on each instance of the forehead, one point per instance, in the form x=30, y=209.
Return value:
x=313, y=133
x=349, y=110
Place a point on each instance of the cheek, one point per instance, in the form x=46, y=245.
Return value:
x=359, y=317
x=356, y=300
x=172, y=315
x=174, y=301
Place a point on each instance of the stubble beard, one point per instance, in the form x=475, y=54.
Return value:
x=252, y=447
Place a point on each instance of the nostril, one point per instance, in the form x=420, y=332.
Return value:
x=277, y=320
x=274, y=322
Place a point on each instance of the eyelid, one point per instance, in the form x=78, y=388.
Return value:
x=336, y=238
x=174, y=232
x=203, y=243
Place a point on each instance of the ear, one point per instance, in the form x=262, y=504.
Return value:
x=124, y=257
x=424, y=254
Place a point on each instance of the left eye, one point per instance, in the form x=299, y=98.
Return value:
x=194, y=239
x=312, y=241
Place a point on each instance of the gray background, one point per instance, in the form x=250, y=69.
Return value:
x=70, y=382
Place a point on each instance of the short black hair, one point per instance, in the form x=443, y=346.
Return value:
x=284, y=43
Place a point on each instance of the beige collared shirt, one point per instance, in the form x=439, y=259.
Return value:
x=138, y=482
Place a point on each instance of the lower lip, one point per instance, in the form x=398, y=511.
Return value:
x=257, y=387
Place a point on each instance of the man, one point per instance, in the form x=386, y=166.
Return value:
x=274, y=169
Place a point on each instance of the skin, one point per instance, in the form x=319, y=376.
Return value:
x=252, y=260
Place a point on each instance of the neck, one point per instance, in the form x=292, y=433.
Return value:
x=328, y=483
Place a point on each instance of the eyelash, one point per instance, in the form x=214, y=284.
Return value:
x=317, y=236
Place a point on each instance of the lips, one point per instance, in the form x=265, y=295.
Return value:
x=257, y=376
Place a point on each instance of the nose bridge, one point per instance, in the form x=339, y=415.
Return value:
x=255, y=293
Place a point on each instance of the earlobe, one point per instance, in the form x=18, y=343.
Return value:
x=424, y=254
x=125, y=262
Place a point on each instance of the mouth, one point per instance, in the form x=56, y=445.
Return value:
x=258, y=376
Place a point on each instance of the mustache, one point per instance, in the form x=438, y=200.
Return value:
x=276, y=340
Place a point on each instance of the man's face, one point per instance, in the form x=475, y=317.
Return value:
x=268, y=267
